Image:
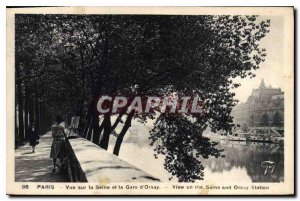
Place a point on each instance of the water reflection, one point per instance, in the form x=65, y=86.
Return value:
x=242, y=162
x=250, y=156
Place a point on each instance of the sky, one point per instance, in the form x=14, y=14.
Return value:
x=272, y=69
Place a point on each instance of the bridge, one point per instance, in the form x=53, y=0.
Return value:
x=86, y=162
x=271, y=131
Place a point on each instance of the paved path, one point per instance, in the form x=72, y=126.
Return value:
x=36, y=167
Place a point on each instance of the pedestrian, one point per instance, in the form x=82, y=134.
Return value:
x=58, y=144
x=33, y=137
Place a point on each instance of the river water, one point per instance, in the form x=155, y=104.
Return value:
x=243, y=162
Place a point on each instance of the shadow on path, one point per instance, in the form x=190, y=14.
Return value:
x=36, y=167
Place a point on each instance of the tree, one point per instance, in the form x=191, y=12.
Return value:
x=183, y=145
x=70, y=61
x=224, y=53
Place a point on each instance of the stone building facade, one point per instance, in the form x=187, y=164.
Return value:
x=265, y=107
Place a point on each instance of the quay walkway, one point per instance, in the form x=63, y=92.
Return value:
x=36, y=167
x=85, y=162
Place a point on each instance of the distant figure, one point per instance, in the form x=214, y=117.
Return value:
x=58, y=144
x=33, y=137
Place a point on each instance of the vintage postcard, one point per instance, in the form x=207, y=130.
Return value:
x=150, y=101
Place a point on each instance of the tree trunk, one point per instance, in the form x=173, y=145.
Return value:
x=86, y=126
x=44, y=119
x=118, y=120
x=41, y=118
x=122, y=133
x=90, y=114
x=16, y=128
x=88, y=120
x=26, y=111
x=89, y=130
x=20, y=112
x=97, y=133
x=37, y=114
x=31, y=111
x=96, y=91
x=48, y=120
x=81, y=124
x=107, y=130
x=96, y=129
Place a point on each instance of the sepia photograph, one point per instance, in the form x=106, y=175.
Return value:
x=150, y=101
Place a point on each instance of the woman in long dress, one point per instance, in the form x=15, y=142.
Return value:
x=58, y=144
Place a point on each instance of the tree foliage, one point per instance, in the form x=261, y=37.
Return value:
x=69, y=61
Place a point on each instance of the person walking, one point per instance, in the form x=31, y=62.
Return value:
x=58, y=144
x=33, y=137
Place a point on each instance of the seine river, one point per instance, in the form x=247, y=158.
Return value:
x=243, y=162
